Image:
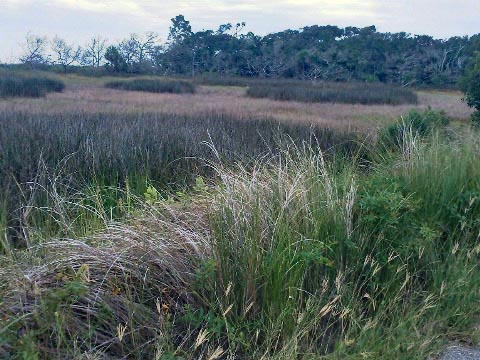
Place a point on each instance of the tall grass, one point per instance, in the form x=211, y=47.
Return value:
x=296, y=256
x=14, y=85
x=317, y=91
x=82, y=149
x=314, y=259
x=349, y=93
x=153, y=85
x=227, y=81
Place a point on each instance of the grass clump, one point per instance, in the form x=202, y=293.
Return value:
x=319, y=259
x=12, y=85
x=349, y=93
x=113, y=293
x=153, y=86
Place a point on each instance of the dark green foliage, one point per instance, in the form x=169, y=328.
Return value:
x=350, y=93
x=476, y=118
x=12, y=85
x=328, y=53
x=416, y=123
x=153, y=85
x=470, y=85
x=115, y=61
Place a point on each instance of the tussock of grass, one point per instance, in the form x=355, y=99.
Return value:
x=153, y=86
x=349, y=93
x=13, y=85
x=85, y=291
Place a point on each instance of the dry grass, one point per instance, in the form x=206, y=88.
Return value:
x=232, y=100
x=119, y=286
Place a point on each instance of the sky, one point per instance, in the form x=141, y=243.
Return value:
x=79, y=20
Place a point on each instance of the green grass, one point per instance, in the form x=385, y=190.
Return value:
x=296, y=256
x=153, y=86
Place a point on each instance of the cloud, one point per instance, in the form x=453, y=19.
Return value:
x=77, y=20
x=105, y=6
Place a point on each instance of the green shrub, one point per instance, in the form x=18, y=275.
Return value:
x=153, y=85
x=416, y=123
x=28, y=86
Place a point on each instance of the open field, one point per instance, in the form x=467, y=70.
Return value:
x=213, y=225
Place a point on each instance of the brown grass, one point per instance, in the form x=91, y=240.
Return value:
x=88, y=97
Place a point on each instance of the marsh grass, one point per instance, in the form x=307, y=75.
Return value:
x=296, y=256
x=125, y=235
x=153, y=86
x=82, y=150
x=348, y=93
x=323, y=260
x=15, y=85
x=317, y=91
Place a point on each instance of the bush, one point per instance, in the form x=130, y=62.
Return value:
x=470, y=85
x=350, y=93
x=28, y=86
x=153, y=86
x=416, y=123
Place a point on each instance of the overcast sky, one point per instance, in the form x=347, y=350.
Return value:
x=78, y=20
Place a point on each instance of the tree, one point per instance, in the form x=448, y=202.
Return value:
x=35, y=50
x=65, y=54
x=470, y=85
x=115, y=60
x=182, y=50
x=137, y=50
x=94, y=52
x=180, y=30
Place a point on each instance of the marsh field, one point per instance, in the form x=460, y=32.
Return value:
x=224, y=218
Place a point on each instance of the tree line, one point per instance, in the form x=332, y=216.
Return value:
x=313, y=52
